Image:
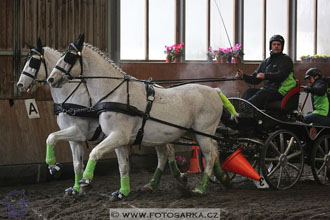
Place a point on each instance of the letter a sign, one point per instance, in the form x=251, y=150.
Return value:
x=31, y=108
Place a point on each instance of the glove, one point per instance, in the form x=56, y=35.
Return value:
x=307, y=89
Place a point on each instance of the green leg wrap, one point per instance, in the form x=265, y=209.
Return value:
x=174, y=169
x=217, y=170
x=50, y=155
x=77, y=177
x=154, y=182
x=221, y=175
x=89, y=171
x=125, y=186
x=203, y=183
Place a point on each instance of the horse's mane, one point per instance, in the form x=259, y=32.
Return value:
x=105, y=57
x=52, y=49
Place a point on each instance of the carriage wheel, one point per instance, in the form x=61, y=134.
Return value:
x=213, y=179
x=321, y=160
x=282, y=159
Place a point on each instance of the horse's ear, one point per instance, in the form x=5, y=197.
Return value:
x=39, y=45
x=29, y=46
x=80, y=42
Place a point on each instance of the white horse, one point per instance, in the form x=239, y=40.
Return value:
x=76, y=129
x=194, y=107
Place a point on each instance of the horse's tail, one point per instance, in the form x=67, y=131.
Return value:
x=218, y=90
x=226, y=103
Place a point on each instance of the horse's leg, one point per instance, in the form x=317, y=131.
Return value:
x=116, y=139
x=72, y=133
x=162, y=156
x=176, y=173
x=209, y=149
x=123, y=162
x=78, y=166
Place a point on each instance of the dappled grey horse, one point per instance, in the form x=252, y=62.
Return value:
x=126, y=106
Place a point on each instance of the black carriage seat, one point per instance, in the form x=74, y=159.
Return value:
x=289, y=102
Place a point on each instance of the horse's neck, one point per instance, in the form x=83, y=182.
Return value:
x=96, y=65
x=80, y=96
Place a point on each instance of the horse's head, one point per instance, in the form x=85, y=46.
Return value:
x=67, y=66
x=34, y=70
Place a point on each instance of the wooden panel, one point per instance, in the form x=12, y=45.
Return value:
x=208, y=70
x=23, y=140
x=6, y=24
x=7, y=80
x=191, y=70
x=58, y=23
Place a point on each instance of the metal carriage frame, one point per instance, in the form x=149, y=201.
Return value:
x=277, y=145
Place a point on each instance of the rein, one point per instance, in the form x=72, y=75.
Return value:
x=128, y=109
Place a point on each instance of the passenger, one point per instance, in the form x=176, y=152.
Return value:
x=318, y=88
x=277, y=73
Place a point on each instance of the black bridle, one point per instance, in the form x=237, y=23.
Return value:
x=35, y=64
x=71, y=55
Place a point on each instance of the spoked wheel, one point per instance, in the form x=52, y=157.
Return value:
x=321, y=160
x=282, y=159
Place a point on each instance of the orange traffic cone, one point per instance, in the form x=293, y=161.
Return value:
x=237, y=163
x=194, y=161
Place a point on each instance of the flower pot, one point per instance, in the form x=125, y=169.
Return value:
x=221, y=59
x=177, y=60
x=168, y=59
x=209, y=59
x=236, y=60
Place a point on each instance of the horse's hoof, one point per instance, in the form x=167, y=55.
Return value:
x=85, y=185
x=55, y=170
x=117, y=196
x=197, y=192
x=147, y=188
x=71, y=191
x=184, y=178
x=225, y=180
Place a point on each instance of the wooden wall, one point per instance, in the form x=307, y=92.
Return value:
x=208, y=70
x=59, y=22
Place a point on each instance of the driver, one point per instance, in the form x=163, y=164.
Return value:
x=277, y=73
x=318, y=88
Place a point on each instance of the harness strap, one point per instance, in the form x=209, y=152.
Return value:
x=75, y=89
x=117, y=107
x=74, y=110
x=112, y=91
x=96, y=133
x=150, y=99
x=184, y=128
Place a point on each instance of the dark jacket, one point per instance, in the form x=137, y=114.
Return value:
x=277, y=68
x=320, y=97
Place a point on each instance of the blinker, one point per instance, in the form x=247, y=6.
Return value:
x=70, y=58
x=35, y=63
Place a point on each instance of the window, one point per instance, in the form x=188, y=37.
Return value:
x=132, y=30
x=161, y=27
x=276, y=21
x=253, y=29
x=323, y=29
x=305, y=27
x=218, y=34
x=196, y=37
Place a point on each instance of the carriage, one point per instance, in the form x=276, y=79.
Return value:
x=276, y=141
